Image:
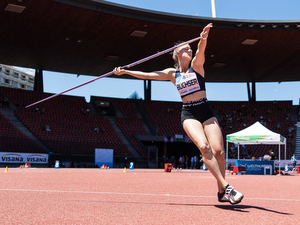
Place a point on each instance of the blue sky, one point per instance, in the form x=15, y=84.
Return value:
x=165, y=91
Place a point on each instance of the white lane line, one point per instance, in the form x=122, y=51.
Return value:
x=142, y=194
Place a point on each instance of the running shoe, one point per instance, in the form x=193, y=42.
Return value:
x=232, y=195
x=221, y=197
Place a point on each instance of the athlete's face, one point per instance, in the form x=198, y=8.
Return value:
x=185, y=51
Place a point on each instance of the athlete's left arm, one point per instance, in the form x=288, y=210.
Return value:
x=199, y=59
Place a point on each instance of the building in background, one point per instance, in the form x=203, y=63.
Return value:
x=14, y=78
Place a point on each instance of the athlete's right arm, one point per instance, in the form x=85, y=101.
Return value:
x=165, y=74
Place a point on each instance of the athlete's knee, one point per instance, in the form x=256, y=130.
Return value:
x=219, y=152
x=218, y=148
x=204, y=148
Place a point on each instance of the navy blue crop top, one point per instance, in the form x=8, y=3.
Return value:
x=189, y=83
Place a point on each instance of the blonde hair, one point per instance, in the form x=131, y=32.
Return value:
x=174, y=54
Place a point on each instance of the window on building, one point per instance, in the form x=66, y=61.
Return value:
x=14, y=83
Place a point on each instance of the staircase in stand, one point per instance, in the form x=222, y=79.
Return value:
x=122, y=136
x=9, y=114
x=297, y=140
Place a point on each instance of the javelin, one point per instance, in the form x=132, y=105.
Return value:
x=123, y=67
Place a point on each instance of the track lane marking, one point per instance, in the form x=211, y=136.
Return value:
x=141, y=194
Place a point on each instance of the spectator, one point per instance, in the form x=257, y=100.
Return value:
x=192, y=162
x=267, y=157
x=180, y=162
x=294, y=161
x=47, y=128
x=186, y=160
x=5, y=103
x=173, y=161
x=272, y=155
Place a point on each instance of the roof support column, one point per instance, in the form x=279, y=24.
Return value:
x=251, y=95
x=248, y=91
x=253, y=92
x=38, y=81
x=147, y=90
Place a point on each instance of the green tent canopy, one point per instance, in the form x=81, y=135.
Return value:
x=255, y=134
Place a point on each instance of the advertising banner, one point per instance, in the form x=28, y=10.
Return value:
x=256, y=167
x=17, y=157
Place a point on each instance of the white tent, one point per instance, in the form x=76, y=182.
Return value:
x=256, y=134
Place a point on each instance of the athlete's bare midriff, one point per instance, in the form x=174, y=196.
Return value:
x=195, y=96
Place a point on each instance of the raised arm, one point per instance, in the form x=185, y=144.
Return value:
x=165, y=74
x=199, y=59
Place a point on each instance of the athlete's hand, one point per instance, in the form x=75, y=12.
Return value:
x=119, y=71
x=205, y=32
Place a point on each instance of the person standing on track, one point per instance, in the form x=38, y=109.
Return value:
x=198, y=119
x=294, y=161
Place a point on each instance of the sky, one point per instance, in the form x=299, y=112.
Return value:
x=165, y=91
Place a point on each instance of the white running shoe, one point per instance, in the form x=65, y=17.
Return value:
x=221, y=197
x=232, y=195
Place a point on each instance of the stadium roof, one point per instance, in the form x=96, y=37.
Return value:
x=92, y=37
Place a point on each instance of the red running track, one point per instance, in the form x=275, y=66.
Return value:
x=97, y=196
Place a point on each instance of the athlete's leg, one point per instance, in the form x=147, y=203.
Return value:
x=215, y=139
x=195, y=131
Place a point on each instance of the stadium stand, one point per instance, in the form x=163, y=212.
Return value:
x=71, y=126
x=66, y=125
x=274, y=115
x=165, y=116
x=13, y=139
x=232, y=116
x=128, y=120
